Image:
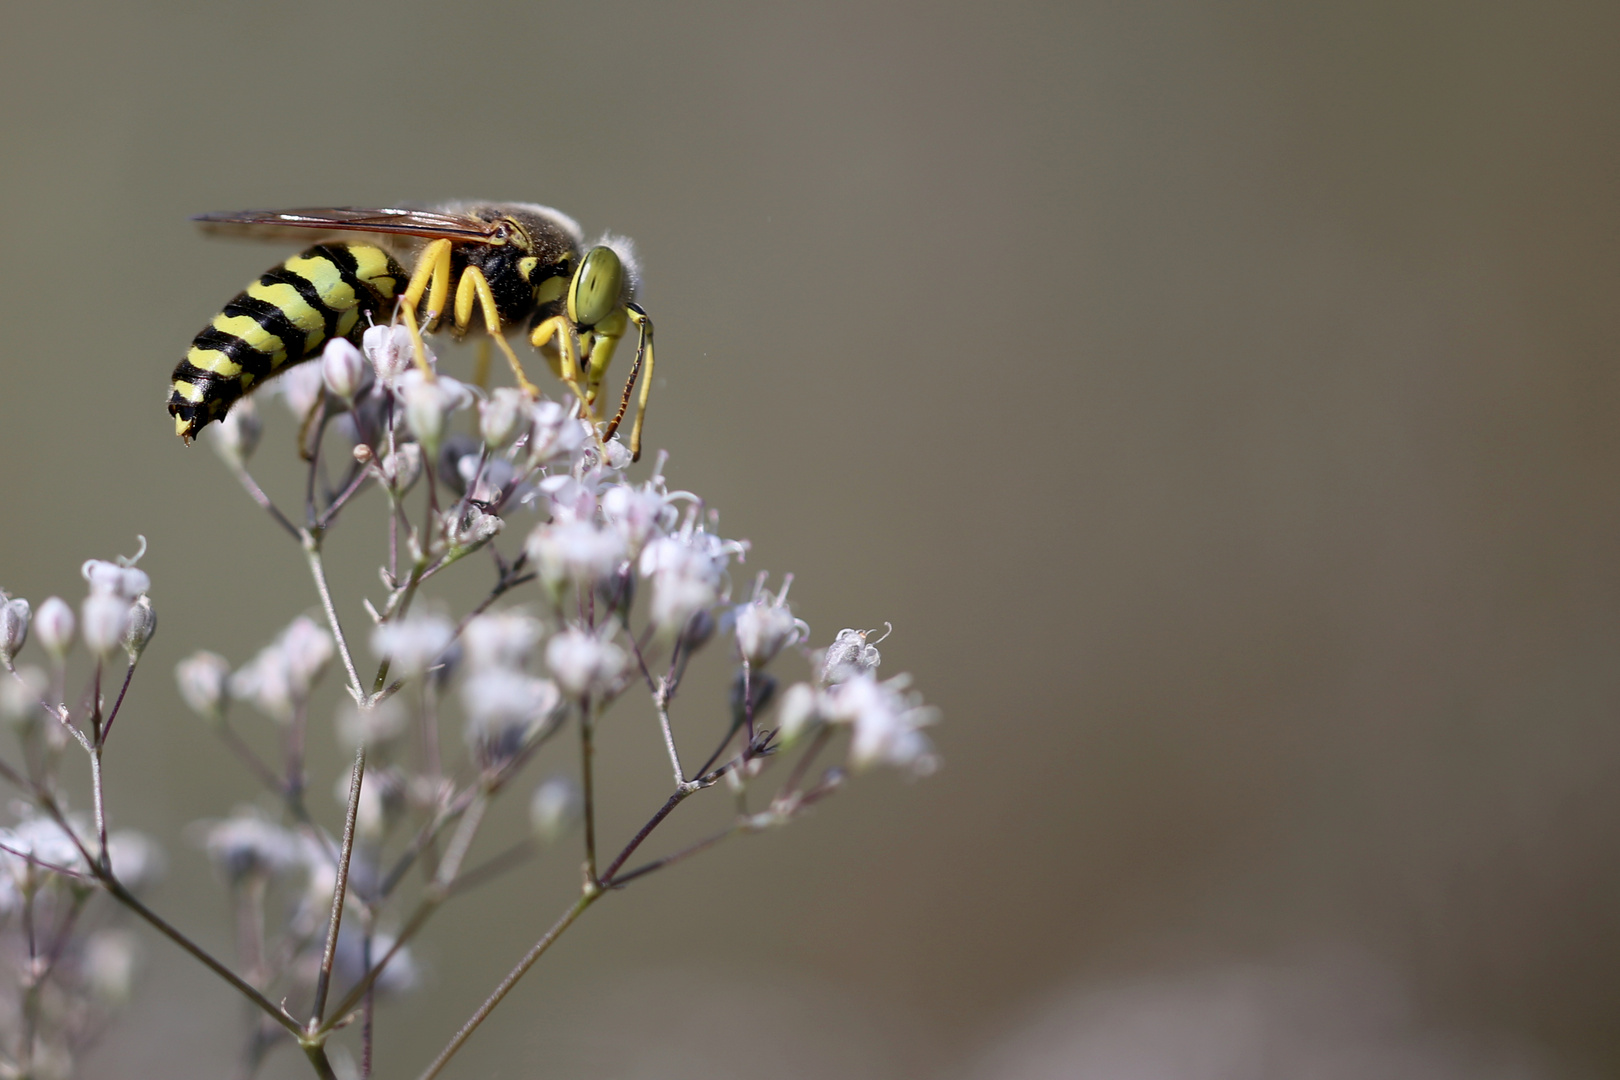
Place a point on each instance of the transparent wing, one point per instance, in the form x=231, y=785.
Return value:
x=430, y=223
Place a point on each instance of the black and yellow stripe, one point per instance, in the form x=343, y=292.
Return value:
x=281, y=319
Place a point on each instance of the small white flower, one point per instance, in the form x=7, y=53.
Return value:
x=849, y=655
x=55, y=625
x=43, y=839
x=765, y=625
x=342, y=368
x=114, y=579
x=639, y=513
x=501, y=639
x=279, y=679
x=886, y=717
x=555, y=808
x=799, y=714
x=237, y=436
x=502, y=415
x=301, y=388
x=202, y=677
x=411, y=646
x=687, y=570
x=555, y=431
x=137, y=861
x=574, y=552
x=245, y=845
x=504, y=708
x=14, y=617
x=390, y=350
x=583, y=662
x=103, y=617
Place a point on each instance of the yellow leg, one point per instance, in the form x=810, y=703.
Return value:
x=431, y=275
x=644, y=348
x=558, y=328
x=481, y=365
x=475, y=284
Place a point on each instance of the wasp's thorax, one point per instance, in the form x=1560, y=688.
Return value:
x=529, y=259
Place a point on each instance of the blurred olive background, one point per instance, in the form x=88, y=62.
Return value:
x=1219, y=400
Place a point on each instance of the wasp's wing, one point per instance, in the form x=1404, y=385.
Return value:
x=430, y=223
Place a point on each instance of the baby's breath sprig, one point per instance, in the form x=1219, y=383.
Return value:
x=602, y=588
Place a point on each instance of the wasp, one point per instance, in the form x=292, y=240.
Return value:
x=501, y=264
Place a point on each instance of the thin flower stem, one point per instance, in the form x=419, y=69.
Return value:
x=587, y=784
x=317, y=1057
x=621, y=880
x=106, y=729
x=246, y=989
x=317, y=570
x=646, y=830
x=33, y=860
x=257, y=493
x=428, y=905
x=535, y=952
x=455, y=852
x=361, y=475
x=731, y=733
x=323, y=982
x=496, y=865
x=104, y=861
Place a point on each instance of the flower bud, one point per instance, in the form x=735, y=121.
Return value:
x=574, y=551
x=301, y=389
x=504, y=708
x=237, y=436
x=14, y=616
x=342, y=368
x=103, y=617
x=20, y=696
x=849, y=655
x=555, y=808
x=428, y=405
x=202, y=677
x=500, y=417
x=139, y=627
x=55, y=625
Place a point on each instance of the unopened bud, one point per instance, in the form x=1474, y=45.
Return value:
x=103, y=617
x=342, y=368
x=139, y=627
x=362, y=453
x=55, y=625
x=14, y=616
x=202, y=677
x=554, y=809
x=237, y=436
x=401, y=468
x=301, y=388
x=500, y=416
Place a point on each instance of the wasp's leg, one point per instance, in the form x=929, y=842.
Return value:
x=567, y=366
x=480, y=376
x=644, y=346
x=475, y=286
x=432, y=277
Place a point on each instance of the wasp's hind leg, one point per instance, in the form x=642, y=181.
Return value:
x=430, y=277
x=644, y=349
x=474, y=286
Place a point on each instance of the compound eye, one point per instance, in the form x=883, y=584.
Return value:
x=597, y=287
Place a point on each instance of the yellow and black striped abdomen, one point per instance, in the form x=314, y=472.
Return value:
x=281, y=319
